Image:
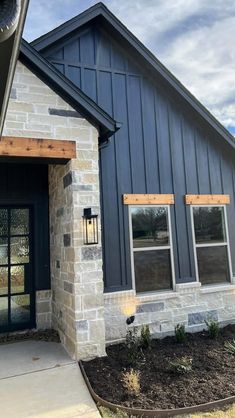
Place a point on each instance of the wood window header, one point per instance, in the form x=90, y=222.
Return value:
x=207, y=199
x=148, y=199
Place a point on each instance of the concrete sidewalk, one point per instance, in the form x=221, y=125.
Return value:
x=39, y=380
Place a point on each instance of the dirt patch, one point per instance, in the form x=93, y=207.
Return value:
x=49, y=335
x=212, y=376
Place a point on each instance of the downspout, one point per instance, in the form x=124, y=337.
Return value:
x=12, y=18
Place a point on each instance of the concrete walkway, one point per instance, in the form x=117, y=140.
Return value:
x=39, y=380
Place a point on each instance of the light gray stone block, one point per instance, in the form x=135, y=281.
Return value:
x=82, y=325
x=91, y=253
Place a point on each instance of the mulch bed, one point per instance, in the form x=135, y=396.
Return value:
x=212, y=377
x=49, y=335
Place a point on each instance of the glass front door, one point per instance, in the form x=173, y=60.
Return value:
x=17, y=307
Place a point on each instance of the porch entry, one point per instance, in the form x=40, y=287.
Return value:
x=17, y=292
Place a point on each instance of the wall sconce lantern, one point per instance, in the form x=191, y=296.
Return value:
x=90, y=227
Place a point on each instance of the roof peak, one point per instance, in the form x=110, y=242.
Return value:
x=96, y=9
x=152, y=64
x=66, y=89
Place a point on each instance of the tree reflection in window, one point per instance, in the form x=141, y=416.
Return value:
x=212, y=251
x=209, y=224
x=150, y=227
x=151, y=248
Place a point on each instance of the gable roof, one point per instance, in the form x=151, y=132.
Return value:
x=68, y=91
x=102, y=14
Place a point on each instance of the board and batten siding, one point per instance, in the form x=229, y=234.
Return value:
x=159, y=149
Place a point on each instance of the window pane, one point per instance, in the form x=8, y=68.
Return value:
x=20, y=308
x=213, y=265
x=19, y=250
x=3, y=251
x=152, y=270
x=150, y=227
x=3, y=280
x=17, y=279
x=3, y=311
x=19, y=221
x=3, y=222
x=209, y=224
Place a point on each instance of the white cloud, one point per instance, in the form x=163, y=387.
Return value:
x=193, y=38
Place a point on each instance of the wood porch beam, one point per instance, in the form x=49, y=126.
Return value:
x=57, y=149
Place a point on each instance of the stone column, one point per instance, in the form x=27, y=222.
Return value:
x=76, y=269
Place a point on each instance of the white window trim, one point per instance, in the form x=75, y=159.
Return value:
x=166, y=247
x=222, y=244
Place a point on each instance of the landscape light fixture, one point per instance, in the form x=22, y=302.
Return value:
x=130, y=320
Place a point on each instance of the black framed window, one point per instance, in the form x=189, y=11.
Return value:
x=211, y=245
x=151, y=248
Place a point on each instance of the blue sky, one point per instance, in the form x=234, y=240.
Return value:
x=193, y=38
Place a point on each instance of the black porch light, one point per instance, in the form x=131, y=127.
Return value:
x=90, y=227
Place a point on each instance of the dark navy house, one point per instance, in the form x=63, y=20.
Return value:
x=166, y=175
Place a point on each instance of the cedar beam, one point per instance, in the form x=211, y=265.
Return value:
x=207, y=199
x=148, y=199
x=57, y=149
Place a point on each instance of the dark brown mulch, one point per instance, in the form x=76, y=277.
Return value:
x=49, y=335
x=212, y=377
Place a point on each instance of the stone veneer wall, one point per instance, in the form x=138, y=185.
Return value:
x=43, y=309
x=77, y=277
x=190, y=305
x=75, y=306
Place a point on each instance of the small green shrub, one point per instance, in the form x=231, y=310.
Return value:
x=213, y=328
x=132, y=339
x=181, y=365
x=145, y=338
x=180, y=334
x=134, y=351
x=230, y=347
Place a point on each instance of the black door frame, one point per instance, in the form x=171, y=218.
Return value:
x=32, y=290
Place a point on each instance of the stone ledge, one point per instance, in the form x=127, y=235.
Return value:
x=120, y=294
x=152, y=297
x=187, y=287
x=218, y=288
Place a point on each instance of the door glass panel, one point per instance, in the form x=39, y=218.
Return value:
x=19, y=250
x=19, y=221
x=3, y=222
x=153, y=270
x=3, y=311
x=20, y=308
x=3, y=251
x=17, y=279
x=150, y=227
x=3, y=280
x=15, y=296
